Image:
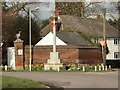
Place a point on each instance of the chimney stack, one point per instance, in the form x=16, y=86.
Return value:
x=57, y=22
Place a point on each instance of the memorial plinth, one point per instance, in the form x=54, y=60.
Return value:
x=54, y=62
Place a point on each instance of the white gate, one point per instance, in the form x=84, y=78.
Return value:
x=11, y=57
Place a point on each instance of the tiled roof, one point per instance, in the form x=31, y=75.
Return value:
x=90, y=27
x=72, y=38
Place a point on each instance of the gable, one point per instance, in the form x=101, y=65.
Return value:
x=48, y=40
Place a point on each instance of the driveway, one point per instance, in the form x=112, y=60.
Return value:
x=71, y=79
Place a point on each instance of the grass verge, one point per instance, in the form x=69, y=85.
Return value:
x=12, y=82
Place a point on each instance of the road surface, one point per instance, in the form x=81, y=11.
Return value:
x=71, y=79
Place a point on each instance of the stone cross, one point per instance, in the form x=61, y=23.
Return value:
x=54, y=35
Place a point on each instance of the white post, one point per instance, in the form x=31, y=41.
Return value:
x=99, y=68
x=13, y=68
x=30, y=40
x=106, y=68
x=83, y=68
x=58, y=69
x=109, y=66
x=5, y=67
x=95, y=68
x=103, y=68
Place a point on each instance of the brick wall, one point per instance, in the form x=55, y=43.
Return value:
x=90, y=56
x=68, y=54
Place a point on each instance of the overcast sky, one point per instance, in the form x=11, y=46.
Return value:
x=47, y=7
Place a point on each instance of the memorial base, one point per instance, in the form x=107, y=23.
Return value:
x=48, y=66
x=54, y=62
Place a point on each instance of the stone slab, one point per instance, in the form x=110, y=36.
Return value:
x=52, y=66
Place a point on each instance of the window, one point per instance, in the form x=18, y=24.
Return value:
x=117, y=41
x=117, y=55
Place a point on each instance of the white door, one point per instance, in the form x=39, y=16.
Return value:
x=11, y=57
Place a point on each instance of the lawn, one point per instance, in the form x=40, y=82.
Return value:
x=0, y=82
x=12, y=82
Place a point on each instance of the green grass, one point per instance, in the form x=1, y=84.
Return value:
x=0, y=82
x=12, y=82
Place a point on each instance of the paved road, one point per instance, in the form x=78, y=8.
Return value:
x=71, y=79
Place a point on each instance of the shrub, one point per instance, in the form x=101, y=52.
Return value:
x=36, y=68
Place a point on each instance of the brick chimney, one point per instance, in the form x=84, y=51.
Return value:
x=57, y=22
x=57, y=13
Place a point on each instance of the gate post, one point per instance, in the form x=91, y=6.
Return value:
x=19, y=53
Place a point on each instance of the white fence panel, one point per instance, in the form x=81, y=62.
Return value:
x=11, y=57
